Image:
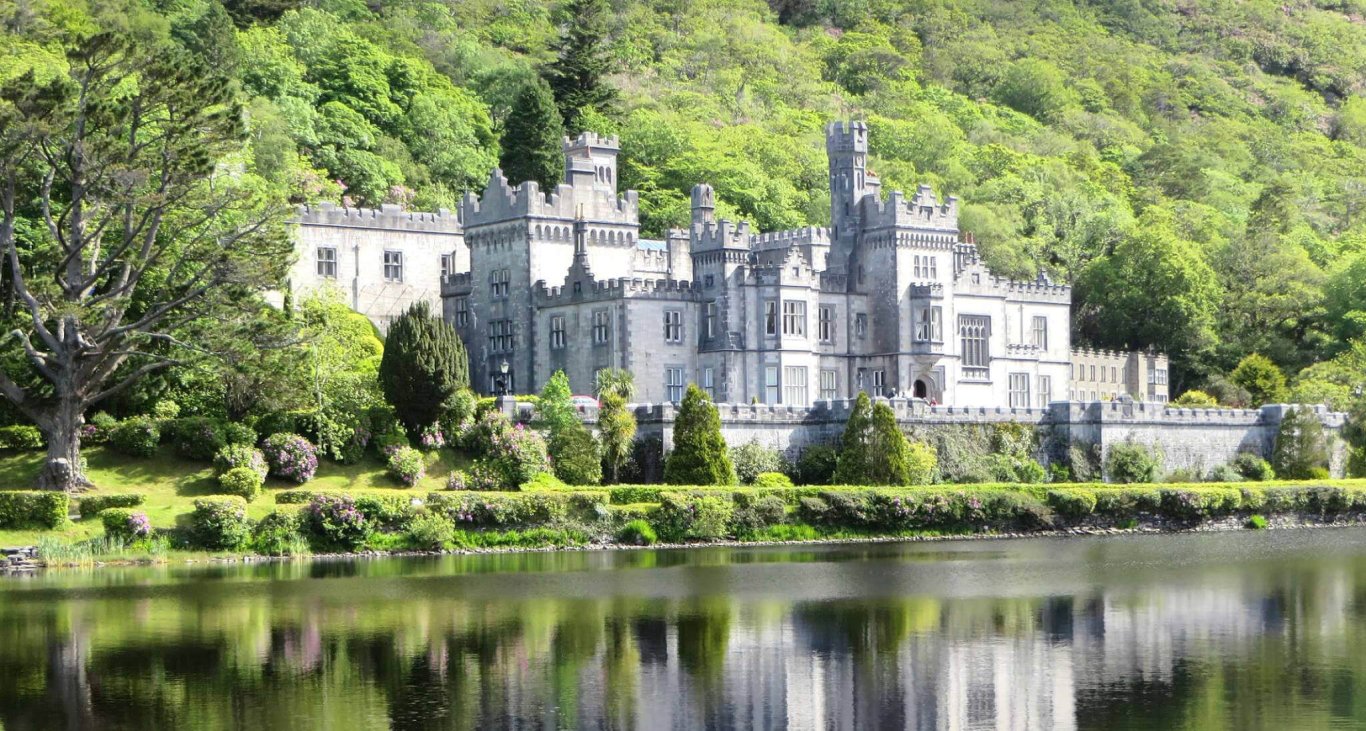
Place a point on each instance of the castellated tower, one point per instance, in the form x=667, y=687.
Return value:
x=846, y=147
x=600, y=151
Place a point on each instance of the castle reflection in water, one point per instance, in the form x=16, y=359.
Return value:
x=940, y=644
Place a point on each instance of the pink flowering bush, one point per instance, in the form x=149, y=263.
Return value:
x=407, y=465
x=128, y=526
x=431, y=438
x=291, y=457
x=335, y=523
x=510, y=454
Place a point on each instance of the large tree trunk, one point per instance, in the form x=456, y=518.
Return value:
x=62, y=468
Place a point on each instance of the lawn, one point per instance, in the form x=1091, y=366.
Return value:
x=171, y=484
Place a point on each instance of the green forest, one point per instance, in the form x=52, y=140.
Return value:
x=1195, y=168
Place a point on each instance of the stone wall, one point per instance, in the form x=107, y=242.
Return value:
x=1190, y=439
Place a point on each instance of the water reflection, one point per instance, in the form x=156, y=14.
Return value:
x=1255, y=630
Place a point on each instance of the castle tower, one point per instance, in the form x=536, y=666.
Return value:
x=600, y=151
x=703, y=204
x=846, y=147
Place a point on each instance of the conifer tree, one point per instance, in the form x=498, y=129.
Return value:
x=533, y=137
x=1262, y=380
x=555, y=408
x=577, y=455
x=423, y=367
x=892, y=459
x=852, y=465
x=617, y=425
x=1301, y=451
x=700, y=455
x=578, y=75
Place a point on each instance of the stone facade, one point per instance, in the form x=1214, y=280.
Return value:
x=890, y=299
x=382, y=260
x=1105, y=375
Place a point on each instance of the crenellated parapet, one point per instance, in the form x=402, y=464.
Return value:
x=807, y=236
x=388, y=217
x=502, y=202
x=722, y=234
x=455, y=285
x=1036, y=291
x=545, y=295
x=921, y=211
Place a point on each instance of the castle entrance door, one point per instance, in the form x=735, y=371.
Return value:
x=919, y=389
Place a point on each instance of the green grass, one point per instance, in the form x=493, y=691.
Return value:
x=171, y=485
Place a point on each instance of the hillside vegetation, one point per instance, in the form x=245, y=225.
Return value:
x=1196, y=168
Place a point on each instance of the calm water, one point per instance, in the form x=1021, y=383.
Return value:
x=1237, y=631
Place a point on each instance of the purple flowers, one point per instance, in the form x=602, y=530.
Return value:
x=432, y=438
x=291, y=457
x=139, y=526
x=337, y=521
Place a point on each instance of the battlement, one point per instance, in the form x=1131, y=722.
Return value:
x=591, y=139
x=457, y=284
x=723, y=234
x=502, y=201
x=1115, y=355
x=388, y=217
x=808, y=235
x=846, y=137
x=606, y=289
x=920, y=211
x=1036, y=290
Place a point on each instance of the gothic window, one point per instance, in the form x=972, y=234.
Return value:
x=1019, y=390
x=711, y=320
x=929, y=325
x=879, y=381
x=771, y=318
x=500, y=282
x=602, y=326
x=826, y=324
x=830, y=384
x=794, y=318
x=393, y=266
x=1041, y=332
x=673, y=382
x=673, y=326
x=557, y=334
x=973, y=332
x=327, y=262
x=500, y=336
x=794, y=385
x=462, y=312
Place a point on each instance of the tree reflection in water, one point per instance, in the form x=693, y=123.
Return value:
x=1226, y=631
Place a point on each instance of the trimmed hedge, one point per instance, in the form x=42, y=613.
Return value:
x=92, y=505
x=33, y=509
x=21, y=436
x=220, y=523
x=494, y=509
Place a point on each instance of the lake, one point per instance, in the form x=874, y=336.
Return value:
x=1203, y=631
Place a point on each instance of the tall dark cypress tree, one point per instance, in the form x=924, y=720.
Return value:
x=699, y=456
x=578, y=74
x=852, y=466
x=532, y=137
x=423, y=366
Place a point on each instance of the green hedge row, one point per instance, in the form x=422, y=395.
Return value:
x=33, y=509
x=20, y=436
x=93, y=505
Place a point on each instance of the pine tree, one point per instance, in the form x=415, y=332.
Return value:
x=577, y=455
x=533, y=137
x=852, y=466
x=423, y=367
x=892, y=459
x=700, y=455
x=1301, y=451
x=578, y=75
x=617, y=425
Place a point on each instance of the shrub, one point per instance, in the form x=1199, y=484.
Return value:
x=544, y=481
x=1128, y=463
x=518, y=455
x=336, y=523
x=486, y=475
x=21, y=436
x=431, y=532
x=637, y=533
x=240, y=455
x=33, y=509
x=238, y=433
x=1252, y=467
x=198, y=438
x=97, y=428
x=753, y=513
x=1329, y=500
x=752, y=459
x=389, y=441
x=577, y=454
x=698, y=517
x=518, y=509
x=126, y=525
x=1301, y=450
x=772, y=479
x=219, y=523
x=279, y=534
x=457, y=480
x=816, y=465
x=137, y=436
x=457, y=418
x=165, y=410
x=1127, y=502
x=1019, y=470
x=290, y=457
x=244, y=482
x=1256, y=522
x=92, y=505
x=1084, y=462
x=875, y=452
x=617, y=430
x=1263, y=381
x=1193, y=505
x=1225, y=473
x=1195, y=399
x=407, y=466
x=555, y=408
x=1074, y=504
x=699, y=455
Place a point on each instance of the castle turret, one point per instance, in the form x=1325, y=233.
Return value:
x=703, y=203
x=601, y=154
x=846, y=147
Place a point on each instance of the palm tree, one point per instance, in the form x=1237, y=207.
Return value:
x=616, y=381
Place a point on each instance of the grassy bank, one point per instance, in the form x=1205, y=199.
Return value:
x=388, y=518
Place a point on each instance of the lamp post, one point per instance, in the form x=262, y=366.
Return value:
x=503, y=379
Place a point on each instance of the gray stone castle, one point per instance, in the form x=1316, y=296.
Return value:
x=891, y=298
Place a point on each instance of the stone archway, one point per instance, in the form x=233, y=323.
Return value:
x=919, y=389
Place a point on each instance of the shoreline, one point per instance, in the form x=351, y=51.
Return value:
x=29, y=564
